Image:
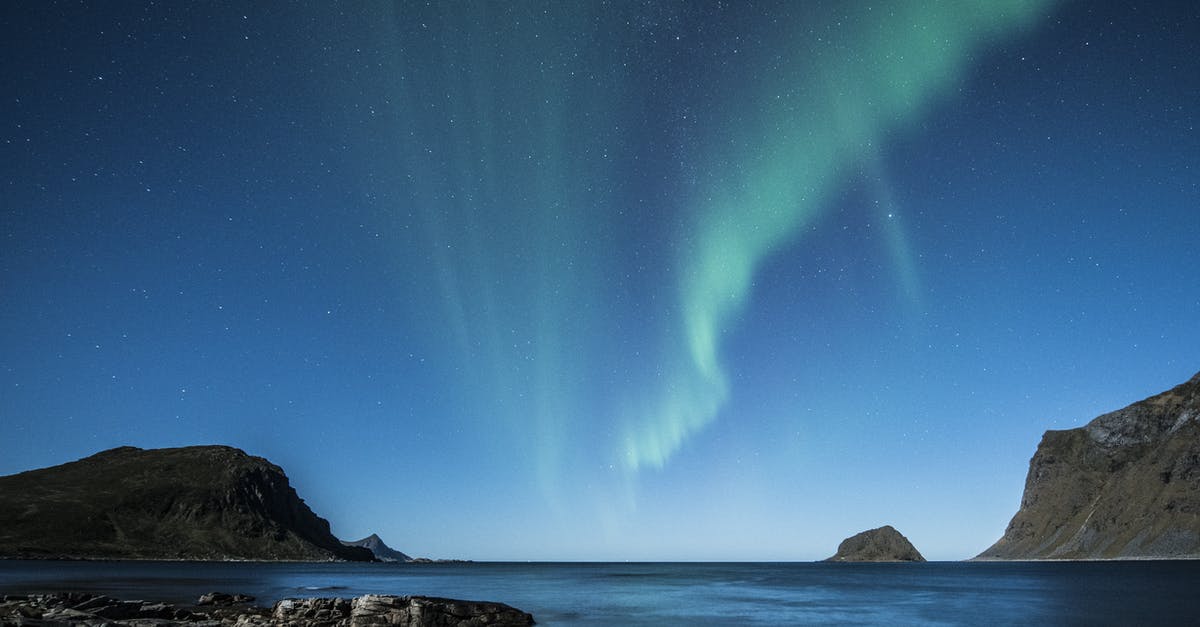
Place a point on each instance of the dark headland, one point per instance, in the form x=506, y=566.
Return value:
x=192, y=503
x=1124, y=486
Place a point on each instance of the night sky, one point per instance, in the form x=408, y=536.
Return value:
x=583, y=280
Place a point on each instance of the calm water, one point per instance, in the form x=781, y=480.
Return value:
x=946, y=593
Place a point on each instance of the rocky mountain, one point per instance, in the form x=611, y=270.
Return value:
x=198, y=502
x=382, y=552
x=884, y=544
x=1126, y=485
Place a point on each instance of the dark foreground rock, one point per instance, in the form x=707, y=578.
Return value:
x=375, y=609
x=221, y=610
x=1124, y=486
x=884, y=544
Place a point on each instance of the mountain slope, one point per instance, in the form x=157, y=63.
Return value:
x=199, y=502
x=382, y=551
x=1126, y=485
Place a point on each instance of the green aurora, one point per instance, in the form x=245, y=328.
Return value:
x=821, y=112
x=648, y=280
x=508, y=147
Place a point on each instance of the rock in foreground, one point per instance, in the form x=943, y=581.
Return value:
x=411, y=611
x=194, y=503
x=1124, y=486
x=374, y=609
x=884, y=544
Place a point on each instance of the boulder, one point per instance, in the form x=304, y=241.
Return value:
x=221, y=598
x=417, y=611
x=412, y=611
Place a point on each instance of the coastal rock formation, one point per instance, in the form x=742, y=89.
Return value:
x=76, y=608
x=381, y=551
x=198, y=502
x=416, y=611
x=884, y=544
x=413, y=611
x=1126, y=485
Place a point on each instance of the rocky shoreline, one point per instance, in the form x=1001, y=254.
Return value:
x=228, y=610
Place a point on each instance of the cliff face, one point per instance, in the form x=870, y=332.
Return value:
x=884, y=544
x=1126, y=485
x=200, y=502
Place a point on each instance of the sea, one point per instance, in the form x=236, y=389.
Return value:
x=934, y=593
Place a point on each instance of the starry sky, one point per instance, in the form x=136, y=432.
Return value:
x=600, y=280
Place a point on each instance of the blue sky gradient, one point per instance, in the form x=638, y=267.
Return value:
x=592, y=281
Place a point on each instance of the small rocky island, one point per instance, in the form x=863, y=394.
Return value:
x=884, y=544
x=217, y=609
x=191, y=503
x=1124, y=486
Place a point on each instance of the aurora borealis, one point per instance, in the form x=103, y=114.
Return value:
x=817, y=115
x=652, y=280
